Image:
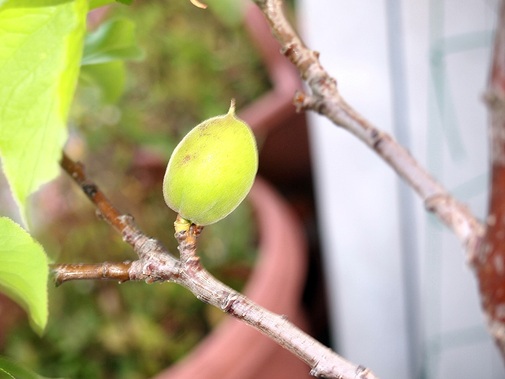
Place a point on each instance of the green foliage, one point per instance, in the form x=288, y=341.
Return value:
x=100, y=3
x=103, y=59
x=40, y=56
x=109, y=78
x=194, y=65
x=114, y=40
x=11, y=370
x=39, y=59
x=23, y=271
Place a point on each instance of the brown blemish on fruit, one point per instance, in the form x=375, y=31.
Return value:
x=186, y=158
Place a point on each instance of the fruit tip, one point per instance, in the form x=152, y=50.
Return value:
x=198, y=4
x=232, y=107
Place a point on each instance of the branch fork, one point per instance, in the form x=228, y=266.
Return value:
x=157, y=264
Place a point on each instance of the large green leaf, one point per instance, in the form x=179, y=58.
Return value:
x=13, y=370
x=24, y=271
x=40, y=52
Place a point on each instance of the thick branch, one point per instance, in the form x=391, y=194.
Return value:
x=490, y=262
x=326, y=100
x=157, y=264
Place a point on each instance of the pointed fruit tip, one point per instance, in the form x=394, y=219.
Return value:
x=231, y=111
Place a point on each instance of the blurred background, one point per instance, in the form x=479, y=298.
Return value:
x=395, y=293
x=402, y=299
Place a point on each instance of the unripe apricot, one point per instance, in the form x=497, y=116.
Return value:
x=212, y=169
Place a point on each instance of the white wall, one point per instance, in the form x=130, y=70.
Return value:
x=403, y=301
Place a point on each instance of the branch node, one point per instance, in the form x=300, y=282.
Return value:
x=432, y=202
x=302, y=101
x=299, y=101
x=362, y=372
x=228, y=303
x=89, y=189
x=376, y=137
x=289, y=50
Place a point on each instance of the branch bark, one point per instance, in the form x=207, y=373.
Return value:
x=326, y=100
x=490, y=262
x=157, y=264
x=106, y=271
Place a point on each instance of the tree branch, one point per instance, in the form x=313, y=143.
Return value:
x=76, y=171
x=80, y=271
x=155, y=264
x=326, y=100
x=490, y=262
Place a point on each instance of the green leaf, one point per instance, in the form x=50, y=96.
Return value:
x=104, y=52
x=24, y=271
x=112, y=41
x=93, y=4
x=39, y=63
x=109, y=77
x=10, y=369
x=100, y=3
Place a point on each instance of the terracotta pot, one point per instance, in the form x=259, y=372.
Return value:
x=235, y=350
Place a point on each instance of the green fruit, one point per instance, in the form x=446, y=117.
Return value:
x=212, y=169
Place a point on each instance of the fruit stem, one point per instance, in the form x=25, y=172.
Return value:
x=181, y=224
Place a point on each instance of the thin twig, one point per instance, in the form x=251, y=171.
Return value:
x=107, y=211
x=155, y=263
x=101, y=271
x=326, y=100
